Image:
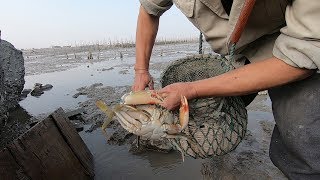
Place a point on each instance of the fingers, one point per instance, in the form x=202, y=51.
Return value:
x=141, y=81
x=163, y=90
x=163, y=95
x=171, y=95
x=138, y=87
x=151, y=84
x=171, y=100
x=170, y=103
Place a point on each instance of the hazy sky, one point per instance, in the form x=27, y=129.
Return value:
x=43, y=23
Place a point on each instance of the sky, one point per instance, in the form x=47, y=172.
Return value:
x=46, y=23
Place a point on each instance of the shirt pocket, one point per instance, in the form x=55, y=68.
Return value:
x=186, y=6
x=216, y=7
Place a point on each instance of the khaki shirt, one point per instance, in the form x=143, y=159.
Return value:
x=288, y=30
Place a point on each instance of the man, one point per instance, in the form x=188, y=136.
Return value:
x=281, y=39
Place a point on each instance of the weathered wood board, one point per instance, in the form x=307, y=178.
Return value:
x=52, y=149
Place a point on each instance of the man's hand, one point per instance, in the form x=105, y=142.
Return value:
x=147, y=28
x=172, y=94
x=142, y=80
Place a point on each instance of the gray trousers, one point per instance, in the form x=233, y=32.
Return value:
x=295, y=142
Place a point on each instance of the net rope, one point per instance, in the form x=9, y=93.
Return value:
x=216, y=124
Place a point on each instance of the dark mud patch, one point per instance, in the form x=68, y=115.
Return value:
x=261, y=103
x=249, y=160
x=19, y=121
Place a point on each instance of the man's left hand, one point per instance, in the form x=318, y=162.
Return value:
x=172, y=94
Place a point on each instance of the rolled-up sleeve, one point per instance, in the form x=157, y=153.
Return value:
x=299, y=42
x=156, y=7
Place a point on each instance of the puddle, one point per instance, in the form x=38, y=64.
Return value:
x=116, y=162
x=65, y=83
x=248, y=160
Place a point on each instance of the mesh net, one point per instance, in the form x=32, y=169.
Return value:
x=216, y=125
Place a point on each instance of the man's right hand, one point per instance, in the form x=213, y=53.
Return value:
x=147, y=28
x=142, y=80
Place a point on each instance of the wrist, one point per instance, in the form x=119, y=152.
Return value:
x=138, y=70
x=193, y=91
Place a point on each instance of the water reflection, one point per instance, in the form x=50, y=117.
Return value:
x=65, y=83
x=117, y=162
x=249, y=160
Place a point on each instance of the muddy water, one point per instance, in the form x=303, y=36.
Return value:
x=116, y=162
x=249, y=161
x=65, y=83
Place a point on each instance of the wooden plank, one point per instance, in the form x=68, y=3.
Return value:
x=8, y=166
x=42, y=153
x=75, y=142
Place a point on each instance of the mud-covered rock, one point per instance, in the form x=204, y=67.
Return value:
x=3, y=109
x=36, y=91
x=25, y=93
x=11, y=77
x=46, y=87
x=39, y=89
x=17, y=123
